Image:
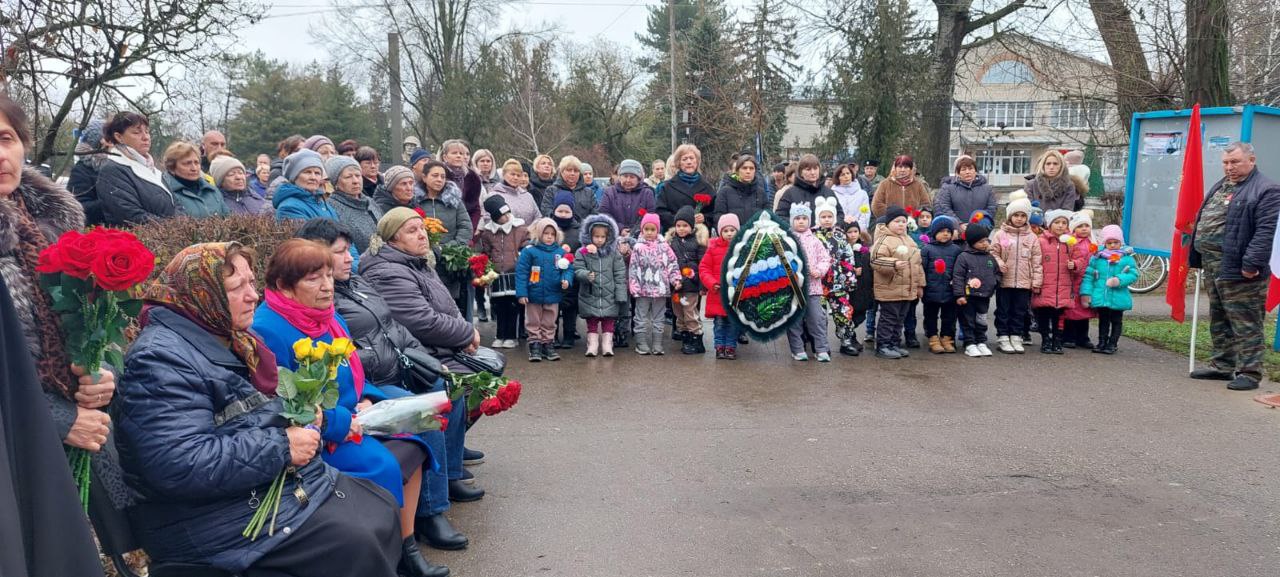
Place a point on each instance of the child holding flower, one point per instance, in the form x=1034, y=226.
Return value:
x=899, y=280
x=1106, y=287
x=542, y=277
x=841, y=281
x=688, y=239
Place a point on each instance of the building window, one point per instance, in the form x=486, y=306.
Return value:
x=1004, y=161
x=1005, y=114
x=1008, y=72
x=1079, y=114
x=952, y=155
x=1115, y=162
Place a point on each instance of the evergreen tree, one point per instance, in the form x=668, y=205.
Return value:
x=770, y=68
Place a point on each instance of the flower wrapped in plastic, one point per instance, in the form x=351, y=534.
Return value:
x=407, y=415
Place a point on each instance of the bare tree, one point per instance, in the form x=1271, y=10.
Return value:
x=1208, y=65
x=532, y=120
x=64, y=57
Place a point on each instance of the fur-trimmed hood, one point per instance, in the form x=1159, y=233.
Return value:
x=54, y=210
x=584, y=232
x=700, y=233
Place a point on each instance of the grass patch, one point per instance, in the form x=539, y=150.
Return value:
x=1176, y=337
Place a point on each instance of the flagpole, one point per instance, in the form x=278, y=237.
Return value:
x=1195, y=320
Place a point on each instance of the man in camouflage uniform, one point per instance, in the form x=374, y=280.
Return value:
x=1232, y=244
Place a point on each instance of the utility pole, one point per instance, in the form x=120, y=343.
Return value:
x=671, y=43
x=397, y=111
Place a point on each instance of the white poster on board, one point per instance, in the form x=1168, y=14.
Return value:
x=1161, y=143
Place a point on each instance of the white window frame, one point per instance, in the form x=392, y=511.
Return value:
x=1003, y=161
x=1016, y=115
x=1078, y=114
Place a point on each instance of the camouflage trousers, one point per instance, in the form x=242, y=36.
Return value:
x=1236, y=317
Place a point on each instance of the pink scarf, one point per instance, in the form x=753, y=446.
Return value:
x=315, y=323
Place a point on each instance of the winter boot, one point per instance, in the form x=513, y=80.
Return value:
x=1046, y=345
x=606, y=344
x=948, y=345
x=846, y=347
x=549, y=352
x=686, y=345
x=1101, y=347
x=935, y=345
x=620, y=338
x=412, y=564
x=535, y=352
x=698, y=343
x=593, y=344
x=910, y=341
x=731, y=353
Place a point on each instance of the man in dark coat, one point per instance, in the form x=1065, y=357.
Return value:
x=1232, y=244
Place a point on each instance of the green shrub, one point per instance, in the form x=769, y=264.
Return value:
x=263, y=234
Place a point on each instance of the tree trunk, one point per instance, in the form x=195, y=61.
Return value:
x=1208, y=63
x=935, y=121
x=1134, y=86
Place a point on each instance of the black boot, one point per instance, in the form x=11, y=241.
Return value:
x=436, y=531
x=1101, y=347
x=549, y=353
x=699, y=344
x=1111, y=345
x=535, y=352
x=620, y=340
x=1057, y=345
x=412, y=564
x=460, y=492
x=847, y=348
x=1046, y=345
x=911, y=341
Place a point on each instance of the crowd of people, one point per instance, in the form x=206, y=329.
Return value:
x=187, y=435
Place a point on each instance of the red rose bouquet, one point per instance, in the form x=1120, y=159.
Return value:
x=486, y=394
x=701, y=200
x=91, y=279
x=482, y=273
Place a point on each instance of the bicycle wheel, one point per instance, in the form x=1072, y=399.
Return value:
x=1152, y=272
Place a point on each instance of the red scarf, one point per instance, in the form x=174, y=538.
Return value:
x=315, y=323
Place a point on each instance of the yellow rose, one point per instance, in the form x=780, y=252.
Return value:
x=342, y=347
x=302, y=349
x=317, y=353
x=333, y=372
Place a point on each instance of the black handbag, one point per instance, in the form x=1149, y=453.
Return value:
x=419, y=371
x=484, y=360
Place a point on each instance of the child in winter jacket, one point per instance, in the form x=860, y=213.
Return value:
x=939, y=258
x=626, y=312
x=1075, y=327
x=601, y=276
x=567, y=325
x=1106, y=287
x=918, y=225
x=841, y=281
x=817, y=263
x=500, y=237
x=1018, y=249
x=975, y=278
x=542, y=277
x=651, y=275
x=688, y=239
x=898, y=280
x=1062, y=267
x=863, y=298
x=710, y=272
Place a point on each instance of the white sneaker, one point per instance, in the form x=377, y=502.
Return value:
x=824, y=357
x=1004, y=345
x=1016, y=342
x=510, y=344
x=982, y=348
x=972, y=351
x=800, y=356
x=497, y=344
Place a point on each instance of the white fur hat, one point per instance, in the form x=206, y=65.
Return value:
x=824, y=204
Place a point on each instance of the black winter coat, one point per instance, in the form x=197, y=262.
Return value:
x=689, y=251
x=584, y=199
x=83, y=182
x=418, y=300
x=974, y=264
x=802, y=191
x=195, y=473
x=675, y=194
x=743, y=199
x=128, y=199
x=959, y=200
x=374, y=329
x=937, y=286
x=1251, y=225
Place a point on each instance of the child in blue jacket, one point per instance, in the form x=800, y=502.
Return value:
x=938, y=257
x=543, y=273
x=1106, y=287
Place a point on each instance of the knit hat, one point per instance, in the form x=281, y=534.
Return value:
x=587, y=168
x=824, y=204
x=975, y=232
x=336, y=164
x=418, y=155
x=395, y=218
x=1082, y=217
x=90, y=137
x=1037, y=216
x=563, y=197
x=394, y=175
x=727, y=219
x=892, y=213
x=496, y=206
x=316, y=141
x=651, y=218
x=1056, y=214
x=630, y=166
x=301, y=160
x=780, y=167
x=685, y=214
x=942, y=222
x=1018, y=202
x=222, y=165
x=1111, y=232
x=799, y=209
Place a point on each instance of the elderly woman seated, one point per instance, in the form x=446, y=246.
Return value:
x=201, y=439
x=399, y=267
x=299, y=304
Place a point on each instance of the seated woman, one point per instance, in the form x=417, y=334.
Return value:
x=399, y=267
x=195, y=196
x=201, y=439
x=382, y=343
x=299, y=304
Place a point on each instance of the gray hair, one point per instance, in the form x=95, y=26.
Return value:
x=1243, y=147
x=450, y=144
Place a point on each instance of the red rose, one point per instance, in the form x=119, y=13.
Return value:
x=642, y=212
x=51, y=260
x=446, y=408
x=421, y=213
x=509, y=394
x=77, y=251
x=702, y=198
x=491, y=406
x=121, y=262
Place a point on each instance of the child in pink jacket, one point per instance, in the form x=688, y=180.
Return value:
x=1063, y=269
x=1018, y=249
x=817, y=263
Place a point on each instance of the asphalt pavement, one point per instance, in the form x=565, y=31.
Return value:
x=1029, y=465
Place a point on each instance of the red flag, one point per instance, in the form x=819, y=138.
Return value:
x=1190, y=197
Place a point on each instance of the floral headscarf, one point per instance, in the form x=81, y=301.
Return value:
x=192, y=286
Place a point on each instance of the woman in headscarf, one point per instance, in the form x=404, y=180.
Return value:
x=299, y=304
x=398, y=189
x=131, y=188
x=1052, y=186
x=35, y=211
x=202, y=439
x=302, y=196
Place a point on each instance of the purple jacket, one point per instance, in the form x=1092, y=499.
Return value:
x=624, y=207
